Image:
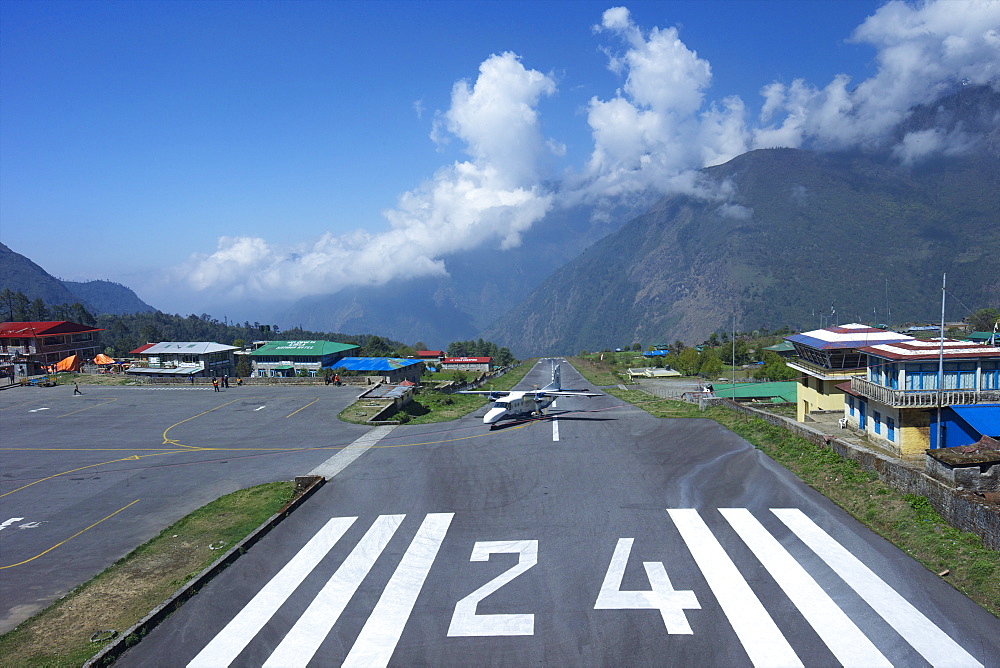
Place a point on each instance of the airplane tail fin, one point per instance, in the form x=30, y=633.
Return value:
x=556, y=383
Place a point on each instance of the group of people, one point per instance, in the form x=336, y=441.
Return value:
x=222, y=382
x=335, y=379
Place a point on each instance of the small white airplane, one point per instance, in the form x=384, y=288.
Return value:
x=517, y=403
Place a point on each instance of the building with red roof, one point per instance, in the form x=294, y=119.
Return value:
x=926, y=393
x=26, y=348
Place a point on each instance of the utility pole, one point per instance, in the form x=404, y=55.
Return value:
x=940, y=382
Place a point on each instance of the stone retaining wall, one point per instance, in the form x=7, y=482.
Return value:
x=962, y=510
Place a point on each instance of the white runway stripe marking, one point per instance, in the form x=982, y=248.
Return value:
x=930, y=641
x=377, y=640
x=761, y=638
x=342, y=459
x=845, y=640
x=238, y=633
x=300, y=644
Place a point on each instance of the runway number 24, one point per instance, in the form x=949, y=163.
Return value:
x=661, y=596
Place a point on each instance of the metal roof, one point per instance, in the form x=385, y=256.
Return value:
x=930, y=349
x=853, y=335
x=372, y=363
x=302, y=348
x=186, y=348
x=43, y=328
x=984, y=418
x=786, y=391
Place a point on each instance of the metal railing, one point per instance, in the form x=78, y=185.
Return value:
x=921, y=398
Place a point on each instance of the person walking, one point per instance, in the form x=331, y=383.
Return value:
x=215, y=383
x=76, y=389
x=225, y=381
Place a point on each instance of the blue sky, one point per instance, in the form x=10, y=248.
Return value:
x=211, y=152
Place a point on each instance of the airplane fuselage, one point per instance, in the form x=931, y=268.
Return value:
x=516, y=404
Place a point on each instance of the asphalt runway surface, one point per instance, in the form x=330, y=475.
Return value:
x=119, y=464
x=596, y=536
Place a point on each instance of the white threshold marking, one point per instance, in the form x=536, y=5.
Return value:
x=845, y=640
x=923, y=635
x=259, y=409
x=380, y=634
x=760, y=636
x=227, y=645
x=342, y=459
x=35, y=410
x=555, y=425
x=12, y=520
x=300, y=644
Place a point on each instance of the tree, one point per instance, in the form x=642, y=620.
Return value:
x=244, y=367
x=710, y=366
x=39, y=312
x=774, y=368
x=687, y=361
x=637, y=346
x=984, y=319
x=420, y=345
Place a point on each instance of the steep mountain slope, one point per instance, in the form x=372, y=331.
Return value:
x=108, y=297
x=804, y=234
x=481, y=285
x=20, y=274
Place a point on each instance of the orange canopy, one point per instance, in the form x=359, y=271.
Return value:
x=101, y=358
x=71, y=363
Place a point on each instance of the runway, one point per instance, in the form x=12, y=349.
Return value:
x=596, y=536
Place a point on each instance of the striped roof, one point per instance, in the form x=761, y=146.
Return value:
x=930, y=349
x=853, y=335
x=187, y=348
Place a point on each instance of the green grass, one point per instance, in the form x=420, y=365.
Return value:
x=135, y=584
x=905, y=520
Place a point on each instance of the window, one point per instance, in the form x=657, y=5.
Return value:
x=890, y=429
x=877, y=419
x=990, y=376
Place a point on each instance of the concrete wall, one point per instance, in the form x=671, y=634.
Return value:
x=962, y=510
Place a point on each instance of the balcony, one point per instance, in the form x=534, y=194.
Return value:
x=921, y=398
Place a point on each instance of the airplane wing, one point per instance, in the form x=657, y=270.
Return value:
x=496, y=393
x=569, y=393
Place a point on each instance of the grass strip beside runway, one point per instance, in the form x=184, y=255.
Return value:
x=905, y=520
x=137, y=583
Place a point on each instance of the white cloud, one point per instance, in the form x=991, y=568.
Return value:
x=652, y=135
x=922, y=49
x=494, y=196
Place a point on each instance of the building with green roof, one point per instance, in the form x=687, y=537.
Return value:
x=779, y=393
x=288, y=358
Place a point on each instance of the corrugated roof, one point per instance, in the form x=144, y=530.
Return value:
x=302, y=348
x=429, y=353
x=43, y=328
x=984, y=418
x=783, y=390
x=187, y=348
x=930, y=349
x=141, y=349
x=372, y=363
x=853, y=335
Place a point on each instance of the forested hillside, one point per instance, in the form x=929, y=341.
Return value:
x=852, y=236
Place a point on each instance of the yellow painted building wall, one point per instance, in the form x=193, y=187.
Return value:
x=826, y=398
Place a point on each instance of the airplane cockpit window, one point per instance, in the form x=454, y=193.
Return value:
x=501, y=404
